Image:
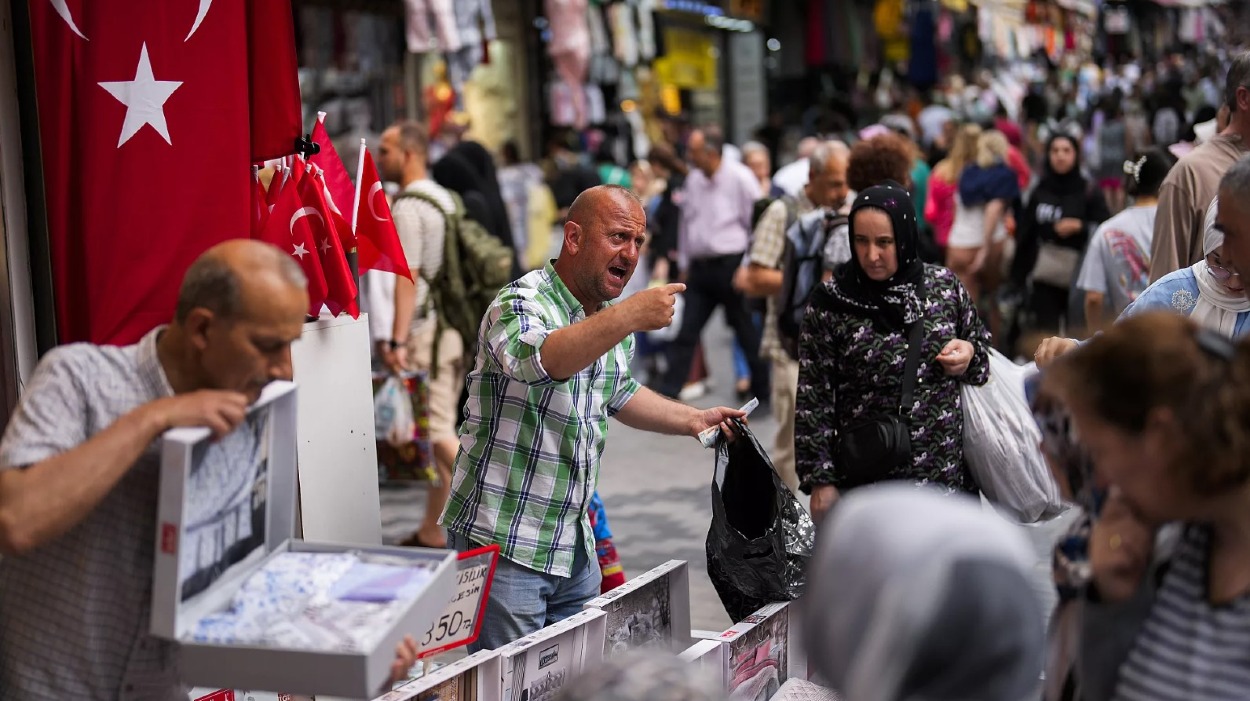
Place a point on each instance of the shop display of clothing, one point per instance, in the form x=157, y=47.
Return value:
x=646, y=30
x=624, y=37
x=419, y=15
x=569, y=49
x=604, y=69
x=475, y=22
x=340, y=602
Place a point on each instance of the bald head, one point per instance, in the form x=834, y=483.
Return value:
x=229, y=274
x=603, y=239
x=588, y=206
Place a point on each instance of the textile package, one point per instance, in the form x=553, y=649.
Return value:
x=760, y=538
x=402, y=427
x=1002, y=445
x=335, y=602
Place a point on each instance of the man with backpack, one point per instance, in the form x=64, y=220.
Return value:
x=421, y=214
x=786, y=262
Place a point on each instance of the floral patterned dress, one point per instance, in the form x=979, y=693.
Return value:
x=849, y=370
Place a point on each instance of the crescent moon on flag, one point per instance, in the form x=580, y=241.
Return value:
x=63, y=10
x=199, y=17
x=304, y=212
x=375, y=189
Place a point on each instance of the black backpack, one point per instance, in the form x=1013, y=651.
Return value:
x=803, y=266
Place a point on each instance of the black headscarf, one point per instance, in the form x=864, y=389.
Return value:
x=894, y=303
x=1068, y=183
x=484, y=164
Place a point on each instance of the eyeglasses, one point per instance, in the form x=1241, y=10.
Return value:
x=1221, y=273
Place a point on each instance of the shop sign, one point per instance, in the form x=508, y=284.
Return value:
x=461, y=621
x=689, y=60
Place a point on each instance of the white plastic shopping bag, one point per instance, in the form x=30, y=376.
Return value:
x=393, y=421
x=1002, y=445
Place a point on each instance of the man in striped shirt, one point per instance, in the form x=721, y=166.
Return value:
x=552, y=366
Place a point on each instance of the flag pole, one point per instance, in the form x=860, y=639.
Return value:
x=360, y=171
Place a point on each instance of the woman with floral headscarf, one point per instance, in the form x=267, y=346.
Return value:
x=854, y=348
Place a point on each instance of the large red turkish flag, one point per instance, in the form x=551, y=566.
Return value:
x=146, y=131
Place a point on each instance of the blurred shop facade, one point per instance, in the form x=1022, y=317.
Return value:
x=519, y=70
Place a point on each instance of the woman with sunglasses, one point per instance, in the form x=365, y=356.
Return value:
x=1210, y=292
x=1161, y=406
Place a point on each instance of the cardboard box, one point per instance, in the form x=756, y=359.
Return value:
x=206, y=551
x=478, y=677
x=648, y=611
x=537, y=666
x=710, y=657
x=763, y=651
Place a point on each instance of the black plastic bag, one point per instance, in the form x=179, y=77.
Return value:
x=761, y=536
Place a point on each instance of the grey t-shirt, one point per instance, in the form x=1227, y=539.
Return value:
x=74, y=612
x=1117, y=263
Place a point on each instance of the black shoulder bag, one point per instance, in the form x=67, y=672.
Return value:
x=870, y=448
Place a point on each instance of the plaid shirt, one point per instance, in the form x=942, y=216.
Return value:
x=530, y=444
x=768, y=244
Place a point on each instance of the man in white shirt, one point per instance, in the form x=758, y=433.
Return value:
x=420, y=213
x=793, y=176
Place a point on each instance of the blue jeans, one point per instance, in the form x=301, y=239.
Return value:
x=742, y=367
x=524, y=600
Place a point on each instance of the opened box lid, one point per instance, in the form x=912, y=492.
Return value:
x=224, y=506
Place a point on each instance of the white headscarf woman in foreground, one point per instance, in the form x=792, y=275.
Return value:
x=916, y=596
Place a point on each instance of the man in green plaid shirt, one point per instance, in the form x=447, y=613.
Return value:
x=552, y=366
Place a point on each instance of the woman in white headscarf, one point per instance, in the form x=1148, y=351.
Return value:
x=1210, y=292
x=914, y=595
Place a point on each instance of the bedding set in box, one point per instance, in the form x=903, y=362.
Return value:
x=251, y=606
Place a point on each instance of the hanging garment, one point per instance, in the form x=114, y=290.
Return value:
x=922, y=69
x=604, y=68
x=646, y=30
x=570, y=52
x=418, y=16
x=475, y=21
x=624, y=38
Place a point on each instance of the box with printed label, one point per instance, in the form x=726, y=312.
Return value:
x=651, y=610
x=251, y=606
x=762, y=652
x=478, y=677
x=537, y=666
x=711, y=657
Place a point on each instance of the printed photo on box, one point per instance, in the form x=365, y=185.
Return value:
x=641, y=619
x=758, y=660
x=540, y=673
x=225, y=503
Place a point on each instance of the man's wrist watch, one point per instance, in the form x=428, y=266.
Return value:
x=392, y=344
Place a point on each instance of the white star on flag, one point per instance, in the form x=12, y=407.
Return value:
x=325, y=245
x=144, y=98
x=300, y=251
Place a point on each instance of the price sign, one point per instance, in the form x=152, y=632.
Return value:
x=461, y=620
